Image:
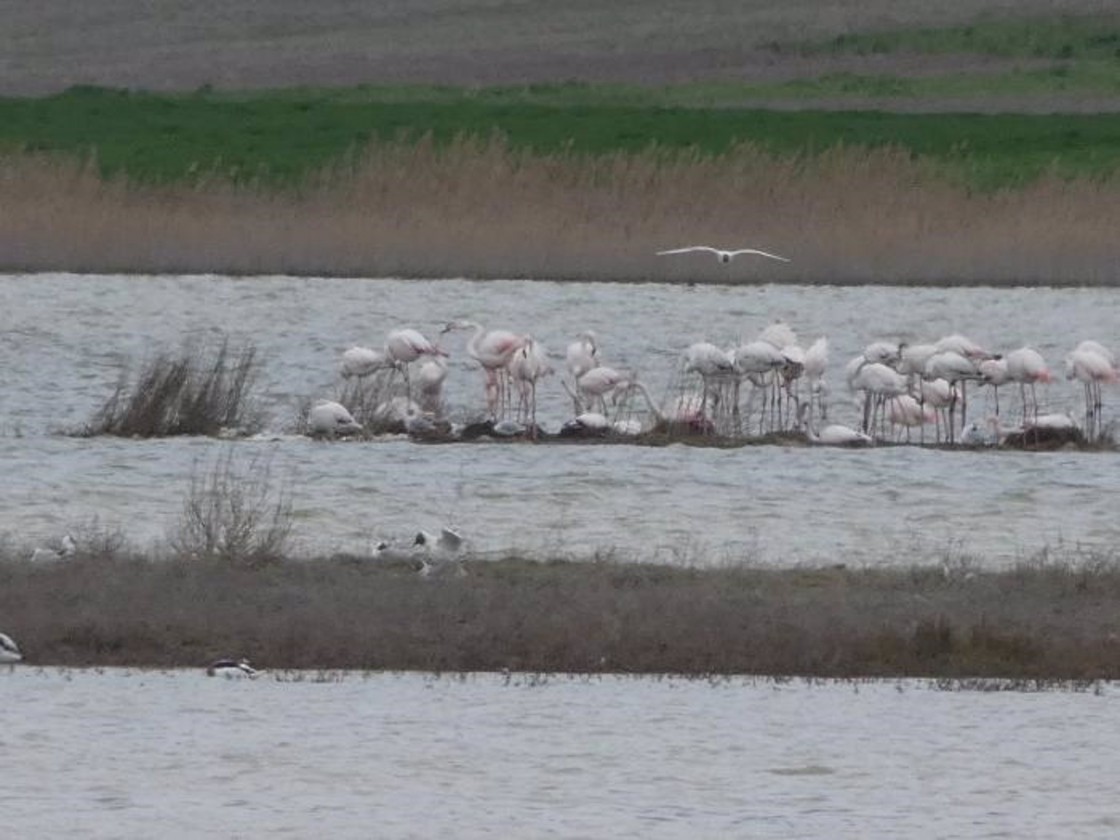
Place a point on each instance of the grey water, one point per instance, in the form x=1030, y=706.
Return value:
x=112, y=753
x=66, y=339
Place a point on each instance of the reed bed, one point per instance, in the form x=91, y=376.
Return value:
x=197, y=392
x=477, y=208
x=1043, y=620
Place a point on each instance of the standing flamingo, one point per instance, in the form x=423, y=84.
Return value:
x=815, y=365
x=1026, y=366
x=758, y=361
x=879, y=382
x=492, y=350
x=957, y=370
x=713, y=365
x=594, y=385
x=362, y=361
x=429, y=381
x=528, y=364
x=994, y=372
x=1091, y=364
x=405, y=346
x=583, y=354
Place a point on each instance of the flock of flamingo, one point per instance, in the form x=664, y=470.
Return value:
x=767, y=386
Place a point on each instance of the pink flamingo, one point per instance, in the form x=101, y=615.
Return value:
x=994, y=372
x=713, y=365
x=815, y=364
x=362, y=361
x=956, y=369
x=492, y=350
x=1091, y=364
x=1026, y=366
x=583, y=354
x=405, y=346
x=597, y=383
x=528, y=364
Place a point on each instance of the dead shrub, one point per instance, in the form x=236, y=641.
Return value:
x=235, y=513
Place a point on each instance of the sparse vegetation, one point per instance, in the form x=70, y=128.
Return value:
x=1044, y=620
x=194, y=393
x=235, y=513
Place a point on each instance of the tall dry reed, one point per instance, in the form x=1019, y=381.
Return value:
x=197, y=392
x=479, y=209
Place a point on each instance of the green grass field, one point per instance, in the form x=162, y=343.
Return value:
x=281, y=137
x=1064, y=37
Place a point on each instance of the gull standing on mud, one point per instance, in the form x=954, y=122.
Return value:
x=722, y=255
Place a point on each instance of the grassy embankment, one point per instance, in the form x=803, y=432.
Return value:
x=1042, y=621
x=585, y=182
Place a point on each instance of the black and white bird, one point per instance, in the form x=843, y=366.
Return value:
x=232, y=669
x=66, y=547
x=446, y=543
x=722, y=255
x=440, y=554
x=9, y=650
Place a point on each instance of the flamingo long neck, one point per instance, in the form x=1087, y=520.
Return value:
x=476, y=339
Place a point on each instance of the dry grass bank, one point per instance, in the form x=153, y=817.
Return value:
x=1039, y=622
x=478, y=209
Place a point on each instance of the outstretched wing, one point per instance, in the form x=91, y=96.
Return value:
x=759, y=253
x=450, y=540
x=690, y=248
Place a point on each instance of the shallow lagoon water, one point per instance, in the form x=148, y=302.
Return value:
x=65, y=339
x=119, y=753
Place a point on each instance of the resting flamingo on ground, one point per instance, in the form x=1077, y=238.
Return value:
x=835, y=434
x=331, y=419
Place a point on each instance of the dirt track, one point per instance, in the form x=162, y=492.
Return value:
x=166, y=45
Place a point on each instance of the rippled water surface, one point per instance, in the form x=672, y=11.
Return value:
x=65, y=339
x=130, y=754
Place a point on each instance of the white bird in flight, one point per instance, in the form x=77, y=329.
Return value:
x=722, y=255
